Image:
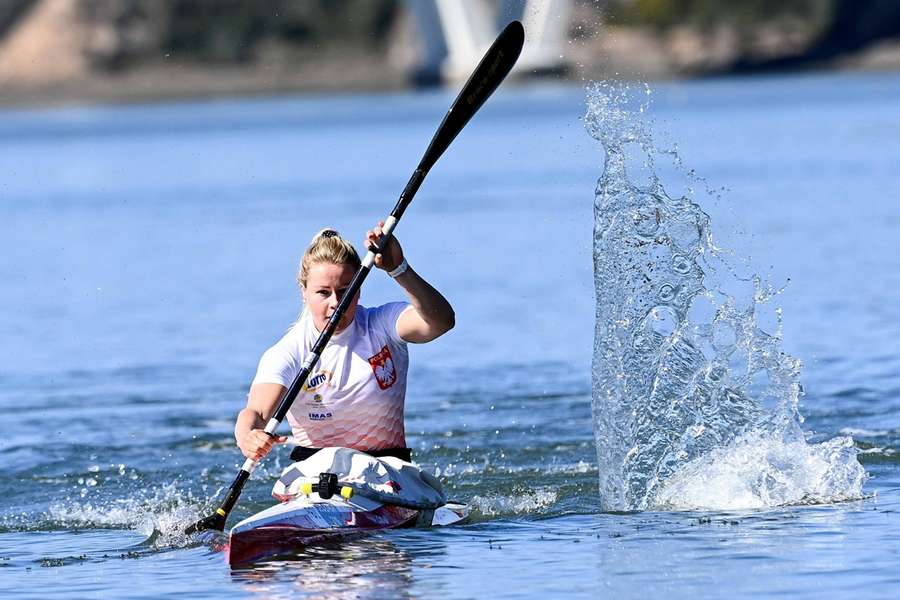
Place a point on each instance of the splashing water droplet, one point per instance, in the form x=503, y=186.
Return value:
x=715, y=373
x=701, y=394
x=667, y=292
x=661, y=320
x=724, y=337
x=645, y=222
x=684, y=235
x=681, y=264
x=701, y=313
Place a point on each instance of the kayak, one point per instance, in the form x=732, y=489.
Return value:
x=309, y=521
x=304, y=522
x=339, y=493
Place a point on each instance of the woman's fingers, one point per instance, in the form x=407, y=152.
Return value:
x=371, y=239
x=395, y=255
x=373, y=235
x=258, y=444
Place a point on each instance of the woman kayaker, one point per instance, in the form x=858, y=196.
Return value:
x=355, y=394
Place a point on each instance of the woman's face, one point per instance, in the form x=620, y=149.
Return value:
x=325, y=286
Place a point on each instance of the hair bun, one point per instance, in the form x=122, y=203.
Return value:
x=326, y=233
x=327, y=246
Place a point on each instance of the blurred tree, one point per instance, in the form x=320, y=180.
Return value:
x=122, y=33
x=232, y=30
x=705, y=14
x=856, y=23
x=852, y=26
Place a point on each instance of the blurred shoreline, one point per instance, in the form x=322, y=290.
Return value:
x=340, y=74
x=81, y=52
x=174, y=82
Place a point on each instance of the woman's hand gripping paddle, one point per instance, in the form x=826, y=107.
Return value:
x=490, y=72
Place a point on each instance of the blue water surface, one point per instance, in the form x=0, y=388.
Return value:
x=148, y=256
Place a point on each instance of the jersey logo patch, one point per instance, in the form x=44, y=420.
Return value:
x=316, y=381
x=383, y=367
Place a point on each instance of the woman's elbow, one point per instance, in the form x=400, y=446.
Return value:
x=449, y=322
x=438, y=327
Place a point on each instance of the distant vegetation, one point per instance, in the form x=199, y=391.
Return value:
x=232, y=30
x=704, y=14
x=239, y=30
x=136, y=48
x=811, y=31
x=128, y=32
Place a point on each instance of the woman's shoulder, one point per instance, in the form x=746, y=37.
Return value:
x=381, y=319
x=372, y=313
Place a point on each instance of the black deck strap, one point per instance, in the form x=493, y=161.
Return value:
x=302, y=453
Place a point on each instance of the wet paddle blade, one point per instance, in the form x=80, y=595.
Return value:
x=488, y=75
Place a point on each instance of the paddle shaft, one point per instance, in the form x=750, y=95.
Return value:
x=488, y=75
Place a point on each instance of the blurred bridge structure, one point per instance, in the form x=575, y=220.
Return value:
x=456, y=33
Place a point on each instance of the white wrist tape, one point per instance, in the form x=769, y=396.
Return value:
x=400, y=270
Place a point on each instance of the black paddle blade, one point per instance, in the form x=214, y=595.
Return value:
x=490, y=72
x=215, y=521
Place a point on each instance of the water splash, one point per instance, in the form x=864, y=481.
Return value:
x=161, y=514
x=694, y=404
x=760, y=470
x=530, y=501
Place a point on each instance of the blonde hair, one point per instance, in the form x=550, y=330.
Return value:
x=327, y=246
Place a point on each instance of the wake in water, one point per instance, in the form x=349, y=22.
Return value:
x=695, y=406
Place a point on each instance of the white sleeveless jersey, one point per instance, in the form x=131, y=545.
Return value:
x=354, y=395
